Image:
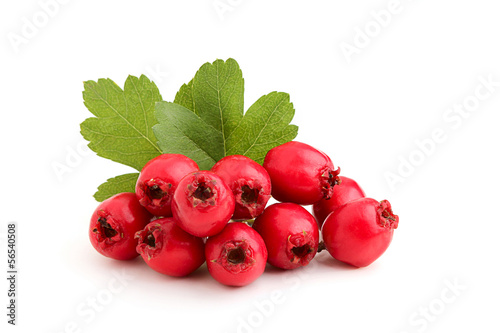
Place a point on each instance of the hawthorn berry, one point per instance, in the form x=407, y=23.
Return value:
x=237, y=256
x=347, y=190
x=168, y=249
x=114, y=224
x=159, y=178
x=300, y=173
x=249, y=182
x=290, y=233
x=360, y=231
x=202, y=204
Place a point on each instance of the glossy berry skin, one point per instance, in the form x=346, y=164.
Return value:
x=249, y=182
x=347, y=190
x=114, y=224
x=202, y=204
x=290, y=233
x=237, y=256
x=168, y=249
x=300, y=173
x=158, y=180
x=360, y=231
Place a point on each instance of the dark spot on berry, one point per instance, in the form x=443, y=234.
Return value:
x=236, y=256
x=249, y=195
x=106, y=228
x=150, y=240
x=155, y=192
x=203, y=192
x=333, y=178
x=302, y=251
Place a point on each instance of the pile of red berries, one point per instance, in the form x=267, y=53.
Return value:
x=179, y=217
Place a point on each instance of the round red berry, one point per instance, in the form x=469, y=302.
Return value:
x=360, y=231
x=249, y=182
x=202, y=204
x=237, y=256
x=114, y=224
x=159, y=178
x=300, y=173
x=347, y=190
x=168, y=249
x=290, y=233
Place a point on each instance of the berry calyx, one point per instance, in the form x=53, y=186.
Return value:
x=168, y=249
x=329, y=178
x=250, y=183
x=301, y=248
x=159, y=178
x=202, y=204
x=386, y=218
x=290, y=233
x=237, y=256
x=106, y=229
x=114, y=224
x=300, y=173
x=150, y=240
x=347, y=190
x=203, y=191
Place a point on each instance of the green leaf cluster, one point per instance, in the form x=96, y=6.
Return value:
x=206, y=121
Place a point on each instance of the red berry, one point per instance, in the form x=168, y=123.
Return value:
x=249, y=182
x=202, y=204
x=347, y=190
x=158, y=180
x=360, y=231
x=168, y=249
x=300, y=173
x=114, y=224
x=237, y=256
x=290, y=233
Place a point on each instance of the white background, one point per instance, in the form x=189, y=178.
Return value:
x=366, y=111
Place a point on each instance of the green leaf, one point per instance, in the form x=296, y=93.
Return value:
x=201, y=123
x=265, y=125
x=119, y=184
x=180, y=131
x=185, y=96
x=122, y=127
x=217, y=95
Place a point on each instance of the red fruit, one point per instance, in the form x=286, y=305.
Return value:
x=114, y=224
x=290, y=233
x=202, y=204
x=300, y=173
x=168, y=249
x=360, y=231
x=249, y=182
x=347, y=190
x=158, y=180
x=237, y=256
